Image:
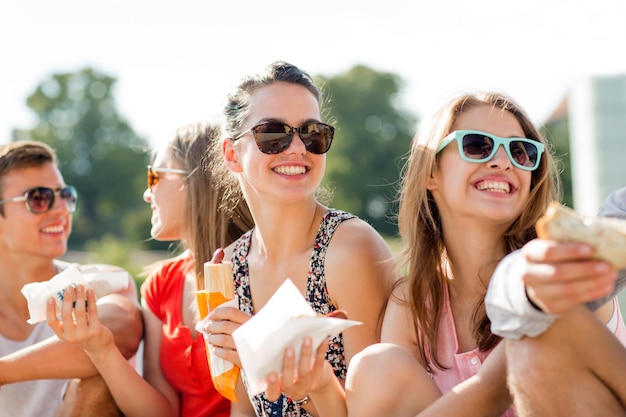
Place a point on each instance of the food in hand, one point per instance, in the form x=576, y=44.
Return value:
x=605, y=234
x=218, y=256
x=220, y=288
x=218, y=279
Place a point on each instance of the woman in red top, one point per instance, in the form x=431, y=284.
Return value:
x=185, y=207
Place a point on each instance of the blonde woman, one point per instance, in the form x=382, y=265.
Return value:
x=465, y=202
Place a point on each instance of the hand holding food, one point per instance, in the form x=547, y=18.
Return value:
x=79, y=321
x=218, y=289
x=562, y=269
x=284, y=323
x=605, y=234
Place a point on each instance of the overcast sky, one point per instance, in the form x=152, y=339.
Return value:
x=175, y=60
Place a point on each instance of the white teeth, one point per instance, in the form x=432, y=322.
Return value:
x=494, y=186
x=290, y=170
x=53, y=229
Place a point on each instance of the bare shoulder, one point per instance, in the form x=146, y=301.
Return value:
x=359, y=260
x=357, y=238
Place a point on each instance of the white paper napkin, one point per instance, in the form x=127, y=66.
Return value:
x=38, y=293
x=284, y=321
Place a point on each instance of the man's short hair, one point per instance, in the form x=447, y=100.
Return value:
x=23, y=154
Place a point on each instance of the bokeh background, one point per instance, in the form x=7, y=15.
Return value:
x=105, y=82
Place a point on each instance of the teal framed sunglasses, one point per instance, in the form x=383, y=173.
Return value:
x=477, y=146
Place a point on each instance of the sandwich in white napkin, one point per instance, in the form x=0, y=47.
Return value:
x=284, y=321
x=38, y=293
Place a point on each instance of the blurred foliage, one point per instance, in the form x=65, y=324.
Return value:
x=105, y=160
x=372, y=136
x=109, y=250
x=557, y=133
x=99, y=154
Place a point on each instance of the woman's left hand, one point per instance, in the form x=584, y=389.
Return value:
x=297, y=380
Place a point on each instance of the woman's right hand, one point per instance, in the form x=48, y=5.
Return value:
x=223, y=321
x=79, y=325
x=561, y=275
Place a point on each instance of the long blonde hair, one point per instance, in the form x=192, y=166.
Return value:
x=423, y=249
x=209, y=222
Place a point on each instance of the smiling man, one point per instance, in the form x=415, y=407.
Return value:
x=41, y=375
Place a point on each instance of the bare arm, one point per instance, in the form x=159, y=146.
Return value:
x=223, y=322
x=81, y=327
x=398, y=326
x=57, y=359
x=243, y=407
x=360, y=269
x=151, y=363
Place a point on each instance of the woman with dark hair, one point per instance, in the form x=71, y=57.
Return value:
x=275, y=148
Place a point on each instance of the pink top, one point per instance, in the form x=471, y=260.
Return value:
x=462, y=365
x=466, y=364
x=616, y=324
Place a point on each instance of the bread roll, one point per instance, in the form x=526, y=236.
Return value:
x=607, y=235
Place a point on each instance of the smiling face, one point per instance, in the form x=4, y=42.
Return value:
x=22, y=232
x=167, y=200
x=290, y=175
x=495, y=189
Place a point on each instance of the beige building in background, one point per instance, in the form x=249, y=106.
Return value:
x=597, y=131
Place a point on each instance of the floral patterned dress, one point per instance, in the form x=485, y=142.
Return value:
x=316, y=295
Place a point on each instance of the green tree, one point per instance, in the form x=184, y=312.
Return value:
x=99, y=154
x=557, y=132
x=372, y=136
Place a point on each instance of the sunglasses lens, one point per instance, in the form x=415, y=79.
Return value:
x=273, y=137
x=68, y=194
x=317, y=137
x=153, y=178
x=476, y=146
x=524, y=153
x=40, y=199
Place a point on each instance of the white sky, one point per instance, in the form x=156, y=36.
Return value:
x=175, y=60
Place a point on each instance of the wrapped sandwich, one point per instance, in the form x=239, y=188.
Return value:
x=605, y=234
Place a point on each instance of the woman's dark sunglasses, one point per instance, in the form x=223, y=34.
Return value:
x=274, y=137
x=40, y=200
x=476, y=146
x=154, y=177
